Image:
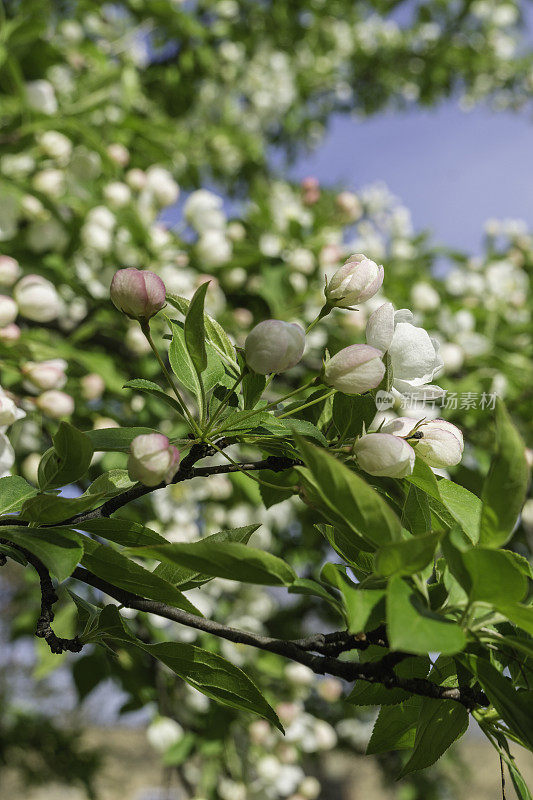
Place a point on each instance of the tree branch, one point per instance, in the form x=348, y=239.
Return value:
x=314, y=652
x=43, y=629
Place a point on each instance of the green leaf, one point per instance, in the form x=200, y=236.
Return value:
x=439, y=725
x=514, y=706
x=365, y=608
x=68, y=460
x=231, y=560
x=413, y=628
x=375, y=694
x=350, y=497
x=183, y=365
x=49, y=509
x=60, y=549
x=215, y=332
x=505, y=486
x=464, y=507
x=109, y=484
x=494, y=576
x=253, y=385
x=416, y=514
x=519, y=615
x=14, y=491
x=407, y=557
x=120, y=571
x=194, y=329
x=310, y=587
x=153, y=389
x=122, y=531
x=352, y=414
x=424, y=478
x=115, y=439
x=394, y=728
x=186, y=578
x=207, y=672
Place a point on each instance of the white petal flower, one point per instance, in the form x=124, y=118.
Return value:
x=383, y=454
x=7, y=456
x=439, y=443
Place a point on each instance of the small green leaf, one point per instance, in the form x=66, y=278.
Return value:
x=194, y=329
x=505, y=486
x=68, y=460
x=215, y=332
x=407, y=557
x=464, y=507
x=352, y=414
x=122, y=531
x=395, y=727
x=14, y=491
x=413, y=628
x=416, y=514
x=231, y=560
x=115, y=439
x=439, y=725
x=151, y=388
x=60, y=549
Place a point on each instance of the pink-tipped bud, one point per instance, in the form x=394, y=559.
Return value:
x=355, y=369
x=137, y=293
x=274, y=346
x=357, y=280
x=92, y=386
x=11, y=333
x=152, y=460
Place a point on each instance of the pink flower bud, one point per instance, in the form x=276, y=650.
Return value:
x=274, y=346
x=356, y=281
x=152, y=460
x=9, y=270
x=11, y=333
x=118, y=153
x=384, y=455
x=355, y=369
x=8, y=310
x=92, y=386
x=37, y=298
x=55, y=404
x=137, y=293
x=46, y=375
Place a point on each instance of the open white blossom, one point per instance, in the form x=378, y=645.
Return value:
x=413, y=354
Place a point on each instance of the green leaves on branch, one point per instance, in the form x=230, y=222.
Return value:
x=14, y=491
x=207, y=672
x=346, y=497
x=231, y=560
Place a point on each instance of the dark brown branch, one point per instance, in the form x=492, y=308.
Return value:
x=319, y=661
x=43, y=629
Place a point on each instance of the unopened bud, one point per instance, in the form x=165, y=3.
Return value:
x=382, y=454
x=55, y=404
x=8, y=310
x=355, y=369
x=357, y=280
x=152, y=460
x=37, y=298
x=274, y=346
x=92, y=386
x=46, y=375
x=137, y=293
x=10, y=333
x=9, y=270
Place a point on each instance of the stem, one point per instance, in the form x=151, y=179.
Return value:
x=307, y=405
x=274, y=403
x=145, y=327
x=244, y=471
x=224, y=403
x=324, y=311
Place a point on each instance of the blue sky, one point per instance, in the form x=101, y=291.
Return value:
x=453, y=169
